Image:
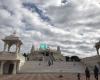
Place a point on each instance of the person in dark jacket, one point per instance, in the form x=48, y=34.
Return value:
x=78, y=76
x=96, y=71
x=87, y=73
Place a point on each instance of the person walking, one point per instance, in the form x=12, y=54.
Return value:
x=78, y=76
x=87, y=73
x=96, y=71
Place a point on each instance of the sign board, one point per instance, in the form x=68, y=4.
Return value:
x=43, y=46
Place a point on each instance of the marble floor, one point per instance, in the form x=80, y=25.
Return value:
x=48, y=76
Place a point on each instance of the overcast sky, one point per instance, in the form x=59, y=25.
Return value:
x=74, y=25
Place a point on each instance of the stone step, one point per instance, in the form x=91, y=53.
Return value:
x=38, y=66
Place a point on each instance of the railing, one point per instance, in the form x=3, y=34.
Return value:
x=8, y=56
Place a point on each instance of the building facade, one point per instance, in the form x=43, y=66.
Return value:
x=43, y=54
x=9, y=61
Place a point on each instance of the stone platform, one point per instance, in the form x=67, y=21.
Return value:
x=66, y=76
x=57, y=67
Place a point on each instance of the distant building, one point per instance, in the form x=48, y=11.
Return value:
x=35, y=55
x=43, y=52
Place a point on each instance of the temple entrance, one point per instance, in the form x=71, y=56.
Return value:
x=8, y=68
x=11, y=67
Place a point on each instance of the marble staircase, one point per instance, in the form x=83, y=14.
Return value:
x=60, y=66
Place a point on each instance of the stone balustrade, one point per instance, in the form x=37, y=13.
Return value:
x=8, y=56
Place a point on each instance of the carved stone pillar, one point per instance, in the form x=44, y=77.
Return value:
x=9, y=46
x=5, y=46
x=14, y=70
x=16, y=48
x=97, y=51
x=19, y=48
x=1, y=67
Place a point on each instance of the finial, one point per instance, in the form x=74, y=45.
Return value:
x=14, y=32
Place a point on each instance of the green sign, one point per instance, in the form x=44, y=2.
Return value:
x=43, y=46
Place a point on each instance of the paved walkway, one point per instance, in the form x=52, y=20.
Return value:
x=43, y=77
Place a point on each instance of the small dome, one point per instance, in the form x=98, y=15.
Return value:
x=12, y=37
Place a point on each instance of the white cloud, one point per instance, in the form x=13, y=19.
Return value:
x=76, y=24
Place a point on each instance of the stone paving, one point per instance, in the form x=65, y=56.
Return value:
x=48, y=76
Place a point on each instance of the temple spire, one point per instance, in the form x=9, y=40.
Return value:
x=32, y=49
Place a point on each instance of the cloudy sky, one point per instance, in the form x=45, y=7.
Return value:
x=74, y=25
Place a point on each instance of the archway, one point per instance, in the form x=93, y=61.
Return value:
x=8, y=67
x=13, y=48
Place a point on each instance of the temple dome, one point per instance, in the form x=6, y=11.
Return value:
x=12, y=37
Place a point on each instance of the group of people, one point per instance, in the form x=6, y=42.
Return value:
x=87, y=73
